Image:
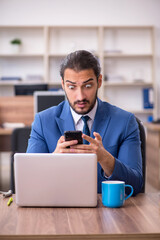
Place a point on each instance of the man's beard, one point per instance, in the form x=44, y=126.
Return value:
x=83, y=101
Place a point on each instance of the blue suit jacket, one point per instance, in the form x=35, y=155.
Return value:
x=119, y=132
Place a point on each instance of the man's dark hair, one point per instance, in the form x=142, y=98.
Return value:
x=80, y=60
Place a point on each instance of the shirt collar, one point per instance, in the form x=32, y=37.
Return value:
x=91, y=114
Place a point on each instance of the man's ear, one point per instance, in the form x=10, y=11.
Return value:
x=99, y=80
x=62, y=83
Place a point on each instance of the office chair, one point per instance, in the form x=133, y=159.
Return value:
x=19, y=142
x=143, y=150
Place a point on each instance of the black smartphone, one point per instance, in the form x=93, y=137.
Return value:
x=73, y=135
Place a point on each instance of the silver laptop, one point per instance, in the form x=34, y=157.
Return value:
x=59, y=180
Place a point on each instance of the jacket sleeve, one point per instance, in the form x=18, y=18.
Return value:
x=128, y=164
x=37, y=143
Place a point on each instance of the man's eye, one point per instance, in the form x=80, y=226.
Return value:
x=88, y=85
x=71, y=87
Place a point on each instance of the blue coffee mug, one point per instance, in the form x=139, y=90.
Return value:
x=113, y=193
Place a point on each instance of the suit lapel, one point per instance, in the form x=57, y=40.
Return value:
x=102, y=119
x=65, y=121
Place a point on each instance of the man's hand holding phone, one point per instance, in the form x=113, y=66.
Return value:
x=73, y=135
x=69, y=139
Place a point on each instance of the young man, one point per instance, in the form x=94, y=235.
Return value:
x=114, y=134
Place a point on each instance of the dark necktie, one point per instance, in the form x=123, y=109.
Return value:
x=85, y=128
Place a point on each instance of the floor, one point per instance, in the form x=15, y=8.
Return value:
x=5, y=174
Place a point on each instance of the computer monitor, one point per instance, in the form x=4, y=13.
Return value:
x=46, y=99
x=29, y=89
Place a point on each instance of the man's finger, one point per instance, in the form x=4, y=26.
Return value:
x=81, y=146
x=89, y=139
x=69, y=143
x=97, y=136
x=61, y=139
x=75, y=150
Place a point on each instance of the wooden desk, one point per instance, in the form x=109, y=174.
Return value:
x=153, y=155
x=13, y=110
x=138, y=219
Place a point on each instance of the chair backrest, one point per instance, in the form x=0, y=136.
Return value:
x=143, y=150
x=19, y=142
x=19, y=139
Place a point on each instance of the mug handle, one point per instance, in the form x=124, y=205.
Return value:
x=130, y=193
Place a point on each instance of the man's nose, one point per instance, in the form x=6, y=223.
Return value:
x=80, y=94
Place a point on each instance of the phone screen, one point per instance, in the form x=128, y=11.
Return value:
x=73, y=135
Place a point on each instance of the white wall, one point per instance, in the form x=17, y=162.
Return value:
x=84, y=12
x=79, y=12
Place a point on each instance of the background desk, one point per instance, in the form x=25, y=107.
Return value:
x=139, y=219
x=153, y=155
x=14, y=110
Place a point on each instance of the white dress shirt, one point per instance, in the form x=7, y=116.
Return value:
x=78, y=122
